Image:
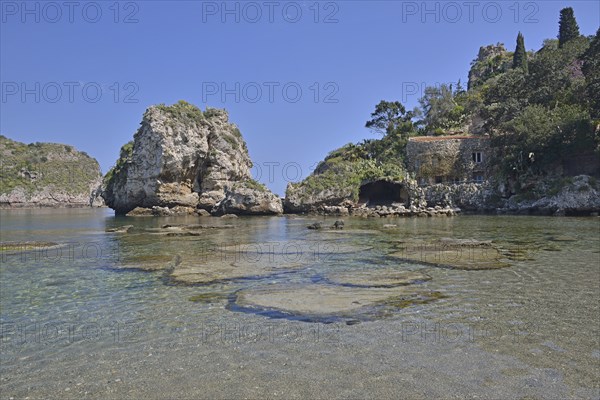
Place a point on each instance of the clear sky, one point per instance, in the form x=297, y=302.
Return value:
x=83, y=72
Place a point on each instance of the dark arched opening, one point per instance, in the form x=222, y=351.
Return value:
x=383, y=193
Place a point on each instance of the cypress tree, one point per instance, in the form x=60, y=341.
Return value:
x=568, y=28
x=520, y=56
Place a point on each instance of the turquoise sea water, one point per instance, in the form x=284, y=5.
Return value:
x=82, y=321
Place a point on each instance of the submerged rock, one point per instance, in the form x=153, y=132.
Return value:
x=376, y=277
x=147, y=262
x=120, y=229
x=9, y=248
x=183, y=157
x=193, y=272
x=210, y=297
x=338, y=225
x=452, y=242
x=350, y=232
x=295, y=250
x=244, y=261
x=317, y=302
x=454, y=253
x=194, y=227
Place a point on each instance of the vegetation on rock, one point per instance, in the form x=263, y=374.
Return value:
x=49, y=168
x=540, y=109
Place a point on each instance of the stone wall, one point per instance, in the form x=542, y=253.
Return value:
x=449, y=159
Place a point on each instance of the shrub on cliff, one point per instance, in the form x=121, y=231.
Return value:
x=124, y=155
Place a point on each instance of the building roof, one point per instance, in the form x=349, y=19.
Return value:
x=440, y=138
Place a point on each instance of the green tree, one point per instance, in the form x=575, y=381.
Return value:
x=395, y=123
x=591, y=70
x=391, y=118
x=520, y=56
x=554, y=74
x=539, y=138
x=441, y=109
x=568, y=28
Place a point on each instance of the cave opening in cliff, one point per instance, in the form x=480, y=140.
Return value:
x=382, y=193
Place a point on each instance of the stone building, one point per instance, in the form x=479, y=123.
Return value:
x=449, y=159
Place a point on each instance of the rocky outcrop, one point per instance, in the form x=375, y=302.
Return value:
x=579, y=195
x=376, y=198
x=491, y=61
x=47, y=175
x=297, y=200
x=183, y=157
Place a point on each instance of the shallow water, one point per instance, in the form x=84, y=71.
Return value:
x=82, y=321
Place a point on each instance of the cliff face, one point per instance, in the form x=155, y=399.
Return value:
x=181, y=156
x=47, y=175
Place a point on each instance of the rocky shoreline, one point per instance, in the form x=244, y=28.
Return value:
x=579, y=197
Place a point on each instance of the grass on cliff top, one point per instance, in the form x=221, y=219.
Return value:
x=35, y=166
x=252, y=184
x=183, y=111
x=187, y=112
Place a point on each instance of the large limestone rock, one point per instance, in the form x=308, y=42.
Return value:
x=181, y=156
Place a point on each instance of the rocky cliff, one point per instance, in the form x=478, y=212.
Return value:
x=554, y=195
x=185, y=158
x=347, y=183
x=47, y=175
x=354, y=180
x=491, y=61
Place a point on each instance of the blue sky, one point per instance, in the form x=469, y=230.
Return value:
x=83, y=74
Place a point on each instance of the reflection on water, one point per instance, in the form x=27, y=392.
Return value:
x=269, y=306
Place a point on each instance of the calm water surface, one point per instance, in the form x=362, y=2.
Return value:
x=80, y=322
